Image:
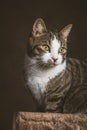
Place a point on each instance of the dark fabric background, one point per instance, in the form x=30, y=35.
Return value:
x=17, y=18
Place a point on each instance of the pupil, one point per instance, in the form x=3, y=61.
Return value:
x=61, y=49
x=46, y=47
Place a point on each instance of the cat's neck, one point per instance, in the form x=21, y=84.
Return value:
x=39, y=79
x=49, y=73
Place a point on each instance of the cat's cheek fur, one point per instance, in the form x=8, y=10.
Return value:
x=60, y=59
x=45, y=58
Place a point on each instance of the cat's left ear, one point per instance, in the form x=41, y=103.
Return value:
x=64, y=33
x=39, y=28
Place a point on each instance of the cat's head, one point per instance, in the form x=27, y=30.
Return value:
x=47, y=48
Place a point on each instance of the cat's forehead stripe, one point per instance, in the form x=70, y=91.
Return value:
x=55, y=42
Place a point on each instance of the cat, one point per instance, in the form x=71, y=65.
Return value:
x=57, y=83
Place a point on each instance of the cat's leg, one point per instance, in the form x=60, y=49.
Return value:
x=76, y=100
x=54, y=104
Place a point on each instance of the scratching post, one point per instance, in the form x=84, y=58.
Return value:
x=49, y=121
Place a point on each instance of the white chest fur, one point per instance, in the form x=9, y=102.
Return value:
x=38, y=80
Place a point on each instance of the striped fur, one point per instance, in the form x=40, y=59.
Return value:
x=60, y=86
x=68, y=92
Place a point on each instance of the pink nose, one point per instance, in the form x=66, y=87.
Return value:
x=54, y=59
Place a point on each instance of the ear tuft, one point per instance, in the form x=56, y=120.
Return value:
x=64, y=33
x=39, y=28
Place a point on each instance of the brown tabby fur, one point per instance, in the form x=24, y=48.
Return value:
x=67, y=92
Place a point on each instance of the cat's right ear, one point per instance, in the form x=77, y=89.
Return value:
x=39, y=28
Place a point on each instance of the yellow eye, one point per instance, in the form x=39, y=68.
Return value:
x=45, y=48
x=62, y=50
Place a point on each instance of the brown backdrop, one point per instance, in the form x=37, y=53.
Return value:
x=17, y=18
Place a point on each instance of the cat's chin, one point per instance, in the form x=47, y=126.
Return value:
x=48, y=66
x=51, y=65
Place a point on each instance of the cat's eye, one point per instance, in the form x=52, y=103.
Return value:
x=45, y=48
x=62, y=50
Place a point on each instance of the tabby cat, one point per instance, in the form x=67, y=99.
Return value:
x=56, y=82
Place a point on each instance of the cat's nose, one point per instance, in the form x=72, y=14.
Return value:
x=54, y=59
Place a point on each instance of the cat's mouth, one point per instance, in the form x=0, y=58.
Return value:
x=47, y=65
x=52, y=63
